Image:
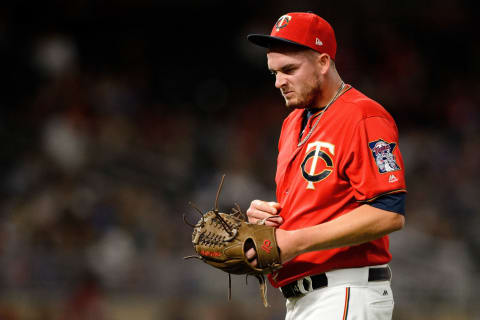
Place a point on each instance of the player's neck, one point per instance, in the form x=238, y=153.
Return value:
x=328, y=91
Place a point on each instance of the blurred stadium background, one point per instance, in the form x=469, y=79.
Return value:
x=115, y=114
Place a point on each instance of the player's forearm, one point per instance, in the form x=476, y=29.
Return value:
x=362, y=224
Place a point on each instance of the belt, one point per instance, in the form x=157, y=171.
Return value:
x=310, y=283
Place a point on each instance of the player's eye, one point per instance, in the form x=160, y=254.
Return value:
x=273, y=72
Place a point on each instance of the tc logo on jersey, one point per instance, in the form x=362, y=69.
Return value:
x=282, y=22
x=382, y=152
x=313, y=170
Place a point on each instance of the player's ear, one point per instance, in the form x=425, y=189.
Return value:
x=324, y=61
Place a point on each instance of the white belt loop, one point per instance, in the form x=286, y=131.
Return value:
x=302, y=288
x=391, y=274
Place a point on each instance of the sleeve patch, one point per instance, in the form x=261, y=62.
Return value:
x=382, y=152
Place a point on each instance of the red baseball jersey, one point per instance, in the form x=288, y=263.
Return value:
x=352, y=157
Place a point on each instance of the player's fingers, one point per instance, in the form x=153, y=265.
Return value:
x=268, y=207
x=260, y=210
x=251, y=255
x=273, y=221
x=255, y=216
x=274, y=204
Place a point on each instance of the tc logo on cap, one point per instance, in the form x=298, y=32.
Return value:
x=282, y=22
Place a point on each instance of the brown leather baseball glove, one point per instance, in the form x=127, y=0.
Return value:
x=221, y=240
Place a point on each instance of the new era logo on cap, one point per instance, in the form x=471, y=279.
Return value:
x=300, y=28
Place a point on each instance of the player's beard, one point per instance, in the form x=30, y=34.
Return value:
x=303, y=99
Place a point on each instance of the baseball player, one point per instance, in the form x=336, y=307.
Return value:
x=340, y=181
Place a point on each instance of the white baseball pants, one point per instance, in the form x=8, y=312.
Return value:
x=349, y=296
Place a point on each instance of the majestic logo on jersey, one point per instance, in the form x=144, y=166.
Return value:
x=392, y=178
x=282, y=22
x=382, y=152
x=313, y=170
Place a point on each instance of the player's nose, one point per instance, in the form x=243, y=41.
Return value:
x=280, y=81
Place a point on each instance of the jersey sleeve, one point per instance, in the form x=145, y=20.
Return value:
x=390, y=202
x=374, y=164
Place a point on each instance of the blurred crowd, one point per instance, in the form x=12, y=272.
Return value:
x=114, y=117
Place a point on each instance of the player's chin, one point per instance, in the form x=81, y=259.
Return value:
x=292, y=103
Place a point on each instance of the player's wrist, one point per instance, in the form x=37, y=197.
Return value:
x=288, y=243
x=300, y=242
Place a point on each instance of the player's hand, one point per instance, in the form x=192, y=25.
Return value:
x=261, y=210
x=251, y=255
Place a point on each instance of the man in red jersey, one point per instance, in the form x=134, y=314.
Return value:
x=340, y=181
